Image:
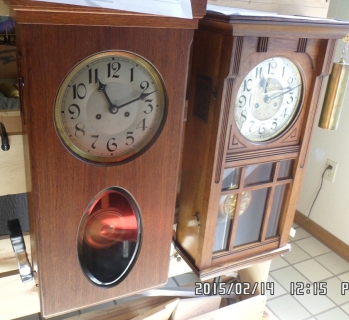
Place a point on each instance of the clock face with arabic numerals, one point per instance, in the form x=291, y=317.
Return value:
x=111, y=107
x=268, y=99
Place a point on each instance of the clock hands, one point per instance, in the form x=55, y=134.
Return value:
x=269, y=99
x=102, y=88
x=113, y=108
x=141, y=97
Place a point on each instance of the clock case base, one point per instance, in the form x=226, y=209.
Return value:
x=225, y=49
x=51, y=40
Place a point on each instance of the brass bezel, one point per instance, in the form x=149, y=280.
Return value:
x=277, y=134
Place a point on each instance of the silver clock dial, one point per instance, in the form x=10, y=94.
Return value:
x=268, y=99
x=110, y=107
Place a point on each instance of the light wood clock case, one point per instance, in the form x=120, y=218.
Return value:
x=102, y=96
x=254, y=92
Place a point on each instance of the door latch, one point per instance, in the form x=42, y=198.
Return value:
x=18, y=245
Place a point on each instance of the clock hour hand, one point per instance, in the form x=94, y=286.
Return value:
x=141, y=97
x=102, y=88
x=263, y=83
x=268, y=99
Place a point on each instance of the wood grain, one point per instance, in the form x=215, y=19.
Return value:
x=62, y=14
x=62, y=186
x=225, y=49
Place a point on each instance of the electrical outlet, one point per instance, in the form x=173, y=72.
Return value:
x=330, y=174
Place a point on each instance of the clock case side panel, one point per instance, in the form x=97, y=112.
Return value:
x=195, y=226
x=22, y=75
x=322, y=62
x=63, y=186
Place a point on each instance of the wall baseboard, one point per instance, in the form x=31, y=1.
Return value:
x=327, y=238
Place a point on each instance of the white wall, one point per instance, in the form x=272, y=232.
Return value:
x=331, y=209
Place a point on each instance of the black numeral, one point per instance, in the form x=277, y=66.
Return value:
x=261, y=129
x=243, y=116
x=90, y=76
x=111, y=145
x=74, y=109
x=93, y=143
x=274, y=124
x=271, y=68
x=79, y=91
x=290, y=98
x=258, y=73
x=242, y=101
x=80, y=132
x=141, y=125
x=285, y=113
x=129, y=137
x=115, y=66
x=144, y=85
x=252, y=123
x=131, y=79
x=149, y=105
x=248, y=85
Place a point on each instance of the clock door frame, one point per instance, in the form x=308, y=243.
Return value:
x=225, y=49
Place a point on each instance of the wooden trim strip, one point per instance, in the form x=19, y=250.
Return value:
x=327, y=238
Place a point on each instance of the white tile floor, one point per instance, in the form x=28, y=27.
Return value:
x=308, y=262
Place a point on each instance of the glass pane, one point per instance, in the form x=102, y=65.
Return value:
x=258, y=173
x=279, y=196
x=286, y=169
x=109, y=237
x=231, y=179
x=226, y=212
x=250, y=219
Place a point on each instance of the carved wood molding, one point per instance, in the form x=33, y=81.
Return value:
x=236, y=57
x=261, y=153
x=302, y=44
x=262, y=44
x=234, y=142
x=224, y=125
x=291, y=137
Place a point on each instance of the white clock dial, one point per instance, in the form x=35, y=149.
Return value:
x=268, y=99
x=110, y=107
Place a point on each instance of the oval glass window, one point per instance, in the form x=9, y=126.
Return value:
x=109, y=237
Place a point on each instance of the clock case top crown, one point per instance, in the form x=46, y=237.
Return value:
x=225, y=50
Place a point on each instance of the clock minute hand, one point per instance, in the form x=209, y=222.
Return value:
x=268, y=99
x=102, y=88
x=141, y=97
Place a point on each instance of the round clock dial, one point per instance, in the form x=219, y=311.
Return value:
x=110, y=107
x=268, y=99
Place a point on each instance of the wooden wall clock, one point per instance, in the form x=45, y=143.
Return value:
x=253, y=96
x=102, y=105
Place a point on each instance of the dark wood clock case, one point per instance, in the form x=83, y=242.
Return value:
x=52, y=38
x=225, y=49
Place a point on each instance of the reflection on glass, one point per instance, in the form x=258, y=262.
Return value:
x=109, y=237
x=224, y=222
x=231, y=178
x=258, y=173
x=286, y=169
x=279, y=196
x=250, y=221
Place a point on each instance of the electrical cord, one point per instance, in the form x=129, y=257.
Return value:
x=329, y=167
